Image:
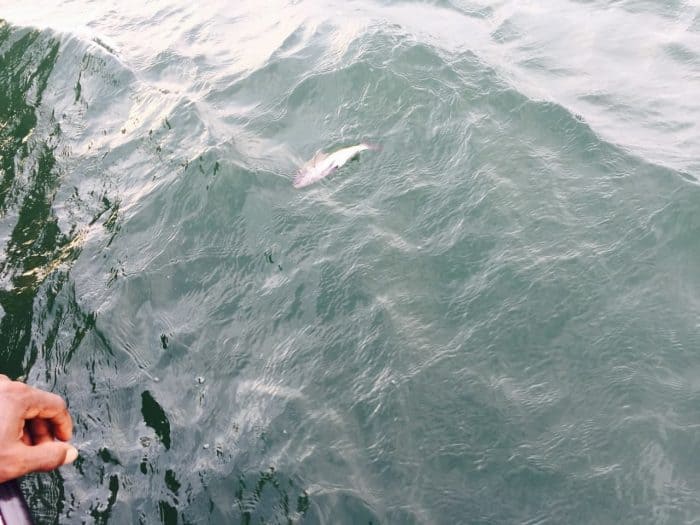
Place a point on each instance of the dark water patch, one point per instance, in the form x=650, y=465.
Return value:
x=62, y=325
x=103, y=513
x=172, y=483
x=46, y=497
x=154, y=417
x=42, y=245
x=108, y=457
x=21, y=73
x=168, y=513
x=35, y=244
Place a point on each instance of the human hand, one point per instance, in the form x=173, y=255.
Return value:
x=31, y=421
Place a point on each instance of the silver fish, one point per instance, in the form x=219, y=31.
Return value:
x=324, y=164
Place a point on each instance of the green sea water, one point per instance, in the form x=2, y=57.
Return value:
x=493, y=320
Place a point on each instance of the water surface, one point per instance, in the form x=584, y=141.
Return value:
x=494, y=320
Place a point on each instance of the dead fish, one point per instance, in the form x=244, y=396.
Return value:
x=324, y=164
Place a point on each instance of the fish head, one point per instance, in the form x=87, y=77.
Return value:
x=301, y=178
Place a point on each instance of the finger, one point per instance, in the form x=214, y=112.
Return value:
x=45, y=405
x=4, y=378
x=40, y=430
x=45, y=457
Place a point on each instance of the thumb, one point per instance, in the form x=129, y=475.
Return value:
x=46, y=456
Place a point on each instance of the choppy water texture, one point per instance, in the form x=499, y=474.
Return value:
x=496, y=319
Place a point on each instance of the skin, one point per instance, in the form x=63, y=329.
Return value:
x=35, y=428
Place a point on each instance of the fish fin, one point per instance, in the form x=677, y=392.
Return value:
x=318, y=158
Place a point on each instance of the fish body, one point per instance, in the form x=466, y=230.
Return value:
x=324, y=164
